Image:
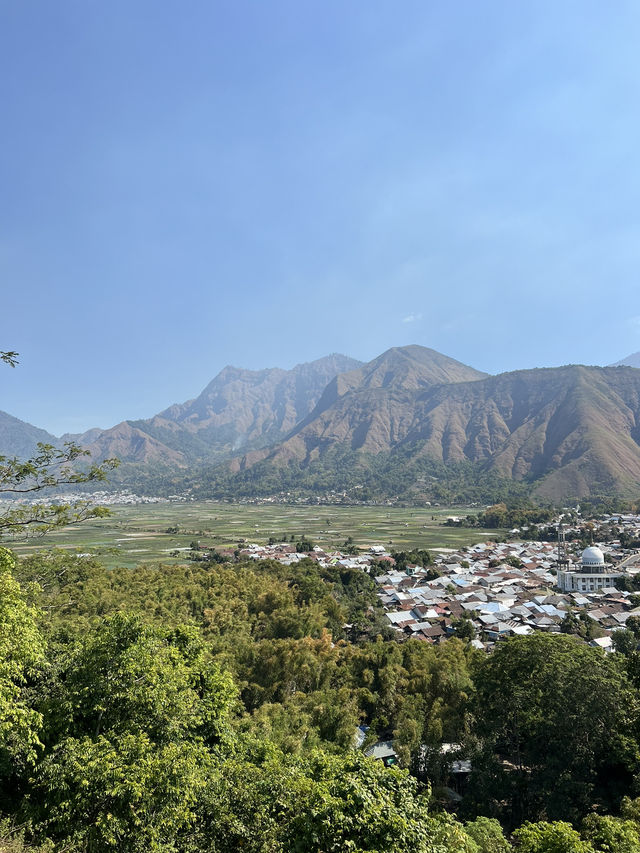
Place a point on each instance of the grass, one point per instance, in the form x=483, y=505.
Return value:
x=138, y=534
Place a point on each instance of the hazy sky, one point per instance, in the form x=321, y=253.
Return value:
x=189, y=184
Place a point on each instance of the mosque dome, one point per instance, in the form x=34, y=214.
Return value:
x=592, y=556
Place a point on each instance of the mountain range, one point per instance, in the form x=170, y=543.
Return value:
x=566, y=432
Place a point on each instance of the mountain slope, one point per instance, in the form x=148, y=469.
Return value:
x=18, y=438
x=574, y=430
x=411, y=367
x=408, y=418
x=130, y=444
x=371, y=408
x=239, y=408
x=632, y=360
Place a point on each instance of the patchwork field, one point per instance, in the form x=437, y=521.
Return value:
x=135, y=534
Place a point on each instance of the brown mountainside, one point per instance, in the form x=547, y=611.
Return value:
x=130, y=444
x=411, y=367
x=238, y=409
x=574, y=429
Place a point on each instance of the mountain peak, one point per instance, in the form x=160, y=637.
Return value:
x=415, y=366
x=632, y=360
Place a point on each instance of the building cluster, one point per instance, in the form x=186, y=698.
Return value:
x=286, y=553
x=509, y=589
x=101, y=498
x=490, y=590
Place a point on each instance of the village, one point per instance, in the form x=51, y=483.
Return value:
x=490, y=591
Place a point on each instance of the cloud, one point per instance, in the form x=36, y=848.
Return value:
x=412, y=318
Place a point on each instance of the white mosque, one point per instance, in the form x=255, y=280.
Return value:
x=590, y=575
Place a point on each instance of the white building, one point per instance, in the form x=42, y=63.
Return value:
x=591, y=575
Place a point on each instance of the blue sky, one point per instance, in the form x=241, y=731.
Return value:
x=187, y=185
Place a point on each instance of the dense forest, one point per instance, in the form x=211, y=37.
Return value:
x=403, y=473
x=214, y=707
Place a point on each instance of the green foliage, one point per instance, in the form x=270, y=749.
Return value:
x=130, y=677
x=323, y=802
x=214, y=707
x=231, y=603
x=581, y=625
x=463, y=628
x=633, y=624
x=12, y=839
x=51, y=467
x=21, y=657
x=555, y=722
x=417, y=557
x=523, y=515
x=488, y=835
x=304, y=545
x=124, y=793
x=611, y=835
x=630, y=809
x=556, y=837
x=9, y=357
x=624, y=641
x=402, y=472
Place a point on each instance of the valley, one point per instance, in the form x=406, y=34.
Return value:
x=138, y=534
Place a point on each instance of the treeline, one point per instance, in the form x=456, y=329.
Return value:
x=518, y=514
x=402, y=473
x=213, y=707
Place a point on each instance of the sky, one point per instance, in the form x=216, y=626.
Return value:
x=189, y=185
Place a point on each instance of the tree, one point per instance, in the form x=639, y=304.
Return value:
x=49, y=468
x=633, y=624
x=624, y=641
x=488, y=835
x=611, y=834
x=268, y=802
x=582, y=625
x=131, y=677
x=304, y=545
x=557, y=837
x=125, y=793
x=463, y=628
x=131, y=724
x=556, y=723
x=10, y=358
x=21, y=655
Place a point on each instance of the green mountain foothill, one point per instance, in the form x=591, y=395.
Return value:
x=411, y=423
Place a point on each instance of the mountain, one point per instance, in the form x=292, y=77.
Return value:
x=18, y=438
x=632, y=360
x=130, y=444
x=411, y=367
x=238, y=409
x=408, y=422
x=572, y=431
x=370, y=408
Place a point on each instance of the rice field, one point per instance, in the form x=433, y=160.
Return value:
x=147, y=532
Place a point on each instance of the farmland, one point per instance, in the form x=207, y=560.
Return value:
x=152, y=532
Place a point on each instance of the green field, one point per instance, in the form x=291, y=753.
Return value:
x=135, y=534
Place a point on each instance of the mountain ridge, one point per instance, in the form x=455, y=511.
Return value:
x=573, y=429
x=569, y=431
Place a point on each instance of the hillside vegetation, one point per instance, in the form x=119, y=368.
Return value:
x=213, y=707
